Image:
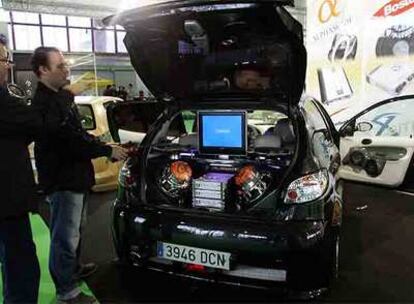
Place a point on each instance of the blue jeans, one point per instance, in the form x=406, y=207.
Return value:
x=19, y=264
x=67, y=213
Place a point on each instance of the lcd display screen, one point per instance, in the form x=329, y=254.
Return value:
x=222, y=132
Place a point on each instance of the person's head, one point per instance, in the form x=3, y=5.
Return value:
x=108, y=86
x=5, y=62
x=50, y=67
x=141, y=95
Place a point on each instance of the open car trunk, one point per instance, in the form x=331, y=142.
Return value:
x=185, y=164
x=218, y=62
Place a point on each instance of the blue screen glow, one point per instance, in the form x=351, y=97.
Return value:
x=222, y=131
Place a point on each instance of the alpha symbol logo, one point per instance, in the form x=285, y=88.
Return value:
x=327, y=10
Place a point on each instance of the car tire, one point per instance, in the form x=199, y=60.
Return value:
x=317, y=270
x=330, y=256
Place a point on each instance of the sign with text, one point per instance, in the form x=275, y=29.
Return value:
x=359, y=53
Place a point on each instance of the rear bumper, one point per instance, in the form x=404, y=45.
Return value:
x=264, y=254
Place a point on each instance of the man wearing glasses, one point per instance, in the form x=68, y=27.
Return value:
x=19, y=124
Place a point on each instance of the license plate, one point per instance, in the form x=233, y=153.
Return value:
x=193, y=255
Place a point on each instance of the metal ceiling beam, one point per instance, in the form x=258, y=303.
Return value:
x=93, y=8
x=70, y=8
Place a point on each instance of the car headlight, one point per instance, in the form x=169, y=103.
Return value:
x=307, y=188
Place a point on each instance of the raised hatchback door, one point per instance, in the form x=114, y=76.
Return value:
x=194, y=51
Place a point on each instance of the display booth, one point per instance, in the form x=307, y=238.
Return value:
x=359, y=53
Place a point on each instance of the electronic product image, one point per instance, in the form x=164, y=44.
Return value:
x=333, y=84
x=209, y=191
x=344, y=47
x=396, y=41
x=392, y=78
x=222, y=132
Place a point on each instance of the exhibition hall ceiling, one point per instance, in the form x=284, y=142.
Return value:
x=101, y=8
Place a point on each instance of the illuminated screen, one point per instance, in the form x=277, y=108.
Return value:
x=222, y=132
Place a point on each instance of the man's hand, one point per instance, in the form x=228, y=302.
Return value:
x=118, y=153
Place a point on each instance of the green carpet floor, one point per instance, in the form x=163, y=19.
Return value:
x=41, y=237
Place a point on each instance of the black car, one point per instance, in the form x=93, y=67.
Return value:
x=234, y=182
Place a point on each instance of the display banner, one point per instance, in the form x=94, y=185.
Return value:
x=359, y=53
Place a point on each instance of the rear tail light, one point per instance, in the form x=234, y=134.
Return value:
x=195, y=267
x=126, y=179
x=307, y=188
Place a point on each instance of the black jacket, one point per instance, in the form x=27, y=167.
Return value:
x=19, y=124
x=63, y=161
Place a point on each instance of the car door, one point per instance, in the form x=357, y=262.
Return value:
x=94, y=121
x=377, y=144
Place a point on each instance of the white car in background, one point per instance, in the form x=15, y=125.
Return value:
x=377, y=145
x=94, y=119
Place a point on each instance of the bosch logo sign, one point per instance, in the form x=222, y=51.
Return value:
x=394, y=8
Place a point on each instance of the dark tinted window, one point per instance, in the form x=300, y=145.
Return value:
x=136, y=117
x=246, y=50
x=319, y=134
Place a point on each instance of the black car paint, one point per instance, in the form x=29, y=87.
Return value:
x=153, y=31
x=288, y=227
x=299, y=238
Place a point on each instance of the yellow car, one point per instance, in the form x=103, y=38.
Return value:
x=94, y=119
x=93, y=116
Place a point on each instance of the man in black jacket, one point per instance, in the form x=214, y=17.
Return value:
x=65, y=171
x=19, y=124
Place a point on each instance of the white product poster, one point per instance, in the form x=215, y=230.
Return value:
x=388, y=61
x=359, y=53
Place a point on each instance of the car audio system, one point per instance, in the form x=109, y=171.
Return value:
x=364, y=159
x=344, y=47
x=392, y=78
x=209, y=191
x=334, y=84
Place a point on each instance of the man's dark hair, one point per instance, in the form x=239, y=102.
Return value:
x=40, y=58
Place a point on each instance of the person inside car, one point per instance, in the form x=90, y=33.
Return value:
x=65, y=173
